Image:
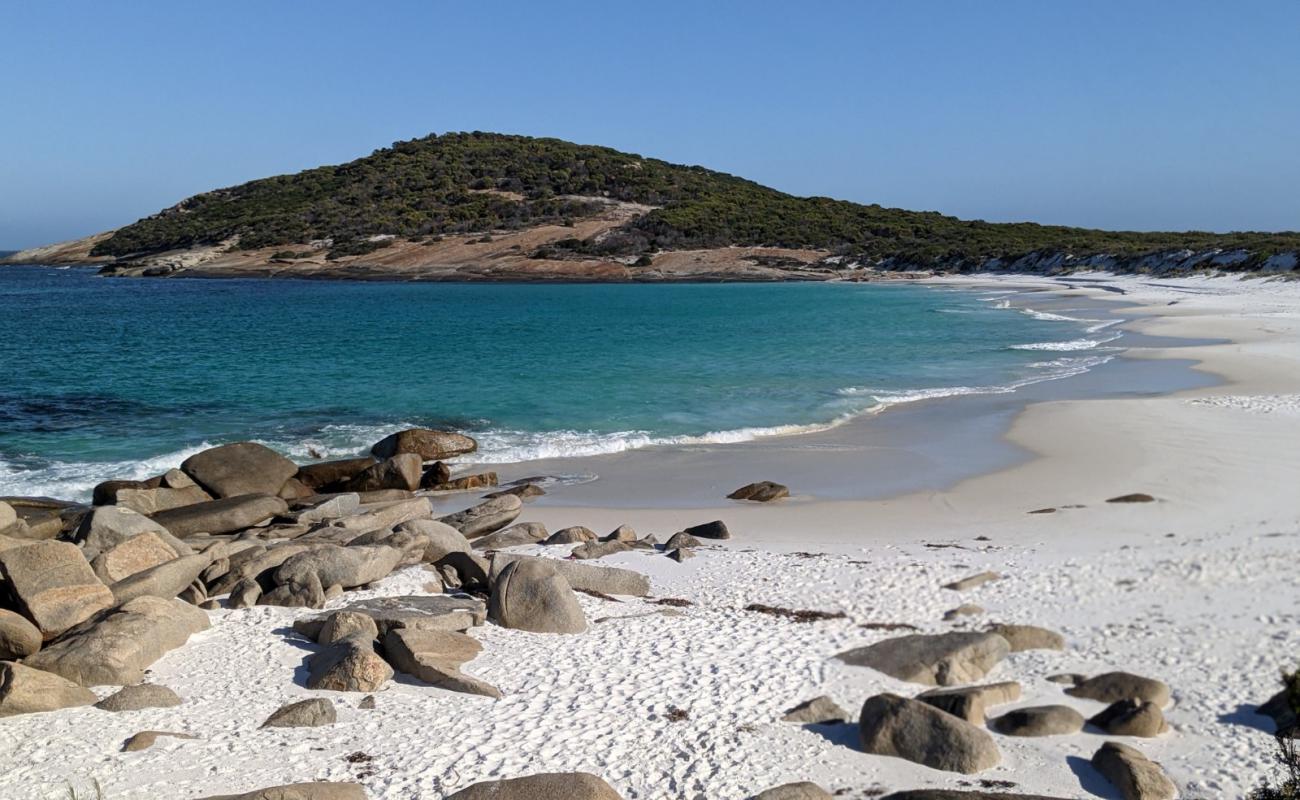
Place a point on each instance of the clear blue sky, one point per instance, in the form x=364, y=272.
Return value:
x=1138, y=115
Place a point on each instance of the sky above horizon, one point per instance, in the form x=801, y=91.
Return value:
x=1139, y=116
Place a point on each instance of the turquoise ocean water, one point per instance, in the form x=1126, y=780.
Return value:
x=124, y=378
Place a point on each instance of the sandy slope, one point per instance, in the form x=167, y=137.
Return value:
x=1198, y=589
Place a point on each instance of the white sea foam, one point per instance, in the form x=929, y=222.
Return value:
x=1072, y=344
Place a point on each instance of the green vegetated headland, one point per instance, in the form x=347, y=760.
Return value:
x=479, y=182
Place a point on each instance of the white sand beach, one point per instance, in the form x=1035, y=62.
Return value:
x=1198, y=589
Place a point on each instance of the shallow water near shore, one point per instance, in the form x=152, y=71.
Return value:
x=110, y=378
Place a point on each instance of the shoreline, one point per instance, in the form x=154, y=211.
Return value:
x=1196, y=589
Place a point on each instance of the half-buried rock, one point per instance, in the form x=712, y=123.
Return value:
x=575, y=534
x=909, y=729
x=1131, y=717
x=139, y=696
x=25, y=690
x=1039, y=721
x=1028, y=637
x=303, y=714
x=116, y=647
x=944, y=659
x=238, y=469
x=55, y=587
x=761, y=492
x=435, y=657
x=530, y=595
x=817, y=711
x=300, y=791
x=486, y=517
x=803, y=790
x=1111, y=687
x=545, y=786
x=221, y=516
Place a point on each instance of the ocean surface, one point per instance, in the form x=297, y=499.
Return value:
x=125, y=378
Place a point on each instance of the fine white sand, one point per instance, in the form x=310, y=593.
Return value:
x=1198, y=589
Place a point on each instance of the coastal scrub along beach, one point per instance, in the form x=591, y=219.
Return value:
x=494, y=466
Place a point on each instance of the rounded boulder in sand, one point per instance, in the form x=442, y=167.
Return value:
x=545, y=786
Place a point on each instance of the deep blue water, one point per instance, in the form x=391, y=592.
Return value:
x=114, y=377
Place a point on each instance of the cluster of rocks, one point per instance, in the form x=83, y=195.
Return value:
x=948, y=727
x=93, y=595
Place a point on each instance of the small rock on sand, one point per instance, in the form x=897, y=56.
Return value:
x=139, y=696
x=146, y=739
x=817, y=711
x=557, y=785
x=1028, y=637
x=709, y=530
x=803, y=790
x=310, y=713
x=760, y=492
x=890, y=725
x=1053, y=720
x=1136, y=497
x=971, y=581
x=944, y=659
x=1131, y=717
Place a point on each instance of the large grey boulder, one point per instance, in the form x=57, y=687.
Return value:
x=311, y=713
x=26, y=690
x=342, y=624
x=343, y=566
x=435, y=657
x=521, y=534
x=238, y=469
x=1136, y=776
x=386, y=514
x=323, y=790
x=55, y=587
x=348, y=665
x=151, y=501
x=326, y=475
x=1111, y=687
x=1053, y=720
x=105, y=527
x=429, y=445
x=138, y=697
x=137, y=554
x=486, y=517
x=575, y=534
x=531, y=596
x=543, y=786
x=19, y=638
x=583, y=577
x=227, y=515
x=167, y=580
x=943, y=659
x=803, y=790
x=970, y=702
x=401, y=471
x=440, y=538
x=117, y=647
x=1028, y=637
x=890, y=725
x=336, y=507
